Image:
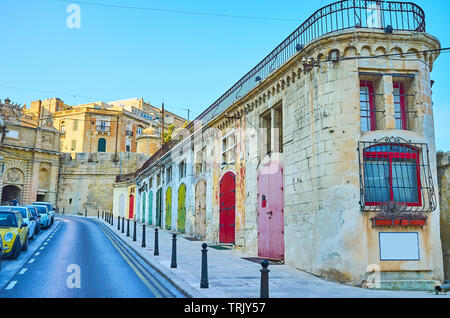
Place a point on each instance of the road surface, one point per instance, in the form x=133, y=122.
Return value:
x=82, y=258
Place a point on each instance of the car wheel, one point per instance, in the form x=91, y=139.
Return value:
x=25, y=245
x=17, y=248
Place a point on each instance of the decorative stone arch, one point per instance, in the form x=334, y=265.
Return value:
x=381, y=50
x=11, y=192
x=350, y=51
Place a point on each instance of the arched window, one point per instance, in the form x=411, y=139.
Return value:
x=101, y=145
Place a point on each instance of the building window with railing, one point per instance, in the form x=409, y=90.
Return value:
x=403, y=92
x=168, y=174
x=392, y=170
x=182, y=171
x=271, y=123
x=371, y=103
x=228, y=149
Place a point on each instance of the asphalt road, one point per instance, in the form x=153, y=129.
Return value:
x=81, y=258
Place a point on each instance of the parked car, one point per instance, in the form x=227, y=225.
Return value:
x=34, y=212
x=27, y=219
x=1, y=252
x=14, y=233
x=50, y=208
x=43, y=213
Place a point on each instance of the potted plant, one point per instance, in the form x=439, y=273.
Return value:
x=395, y=214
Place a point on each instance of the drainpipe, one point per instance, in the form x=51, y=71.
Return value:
x=444, y=288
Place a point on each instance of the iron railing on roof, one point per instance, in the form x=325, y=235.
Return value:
x=338, y=16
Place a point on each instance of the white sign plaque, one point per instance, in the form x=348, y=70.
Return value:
x=402, y=246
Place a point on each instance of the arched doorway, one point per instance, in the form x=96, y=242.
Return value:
x=270, y=212
x=168, y=208
x=143, y=207
x=101, y=145
x=158, y=207
x=10, y=193
x=122, y=205
x=227, y=208
x=200, y=209
x=150, y=207
x=181, y=221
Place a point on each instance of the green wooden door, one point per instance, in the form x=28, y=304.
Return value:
x=181, y=208
x=158, y=207
x=150, y=207
x=168, y=208
x=143, y=207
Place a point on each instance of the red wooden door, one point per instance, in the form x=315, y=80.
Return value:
x=131, y=207
x=270, y=212
x=227, y=208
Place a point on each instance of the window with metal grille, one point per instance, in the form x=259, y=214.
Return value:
x=392, y=170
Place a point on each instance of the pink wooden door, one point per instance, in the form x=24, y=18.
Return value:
x=270, y=212
x=227, y=208
x=131, y=207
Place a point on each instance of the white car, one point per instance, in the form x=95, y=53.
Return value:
x=28, y=219
x=50, y=208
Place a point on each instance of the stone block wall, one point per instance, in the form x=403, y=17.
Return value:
x=444, y=196
x=85, y=183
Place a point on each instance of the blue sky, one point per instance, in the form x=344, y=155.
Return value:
x=185, y=60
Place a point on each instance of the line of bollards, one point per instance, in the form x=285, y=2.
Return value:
x=204, y=282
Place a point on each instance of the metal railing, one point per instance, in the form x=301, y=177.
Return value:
x=398, y=172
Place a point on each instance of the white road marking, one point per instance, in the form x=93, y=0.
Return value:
x=31, y=261
x=37, y=253
x=11, y=285
x=45, y=243
x=23, y=271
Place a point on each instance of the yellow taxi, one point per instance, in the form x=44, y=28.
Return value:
x=14, y=233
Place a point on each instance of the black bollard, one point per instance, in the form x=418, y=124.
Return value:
x=143, y=236
x=118, y=223
x=173, y=264
x=112, y=219
x=85, y=213
x=156, y=251
x=134, y=232
x=98, y=214
x=128, y=227
x=204, y=279
x=64, y=209
x=264, y=279
x=123, y=225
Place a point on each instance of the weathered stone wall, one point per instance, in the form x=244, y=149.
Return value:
x=31, y=163
x=85, y=183
x=444, y=196
x=326, y=233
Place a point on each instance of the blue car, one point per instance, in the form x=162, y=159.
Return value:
x=43, y=213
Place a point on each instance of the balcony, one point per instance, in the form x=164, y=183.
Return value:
x=103, y=128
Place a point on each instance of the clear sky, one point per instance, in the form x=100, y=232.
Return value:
x=185, y=60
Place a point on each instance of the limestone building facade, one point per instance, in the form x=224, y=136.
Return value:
x=444, y=195
x=30, y=163
x=323, y=156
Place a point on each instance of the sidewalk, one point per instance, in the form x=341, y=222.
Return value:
x=230, y=276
